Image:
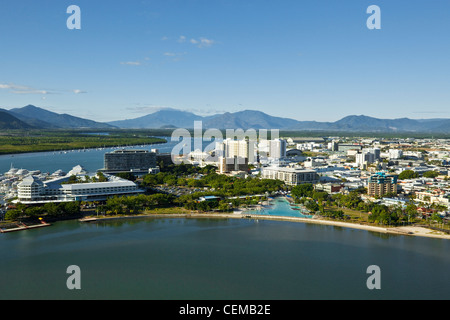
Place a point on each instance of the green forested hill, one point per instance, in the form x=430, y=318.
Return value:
x=8, y=121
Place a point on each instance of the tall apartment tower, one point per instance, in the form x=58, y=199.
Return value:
x=380, y=184
x=240, y=149
x=277, y=148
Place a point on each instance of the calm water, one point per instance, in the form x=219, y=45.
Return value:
x=90, y=159
x=160, y=258
x=281, y=207
x=211, y=258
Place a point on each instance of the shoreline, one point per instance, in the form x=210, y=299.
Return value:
x=64, y=149
x=407, y=231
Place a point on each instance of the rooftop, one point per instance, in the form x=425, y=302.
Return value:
x=30, y=181
x=129, y=151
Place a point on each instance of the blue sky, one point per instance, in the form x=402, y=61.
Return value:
x=307, y=60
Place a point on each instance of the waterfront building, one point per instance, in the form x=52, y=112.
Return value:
x=32, y=190
x=380, y=184
x=290, y=176
x=132, y=160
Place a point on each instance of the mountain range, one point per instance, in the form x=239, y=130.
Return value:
x=171, y=118
x=30, y=117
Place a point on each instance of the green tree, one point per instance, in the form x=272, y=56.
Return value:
x=430, y=174
x=13, y=214
x=150, y=180
x=408, y=174
x=126, y=175
x=195, y=183
x=312, y=206
x=302, y=190
x=436, y=217
x=101, y=177
x=34, y=212
x=411, y=211
x=51, y=209
x=351, y=200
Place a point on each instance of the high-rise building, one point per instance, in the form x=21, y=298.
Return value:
x=380, y=184
x=131, y=160
x=230, y=149
x=277, y=148
x=235, y=164
x=375, y=151
x=362, y=158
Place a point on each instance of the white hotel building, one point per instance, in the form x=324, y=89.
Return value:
x=32, y=190
x=290, y=176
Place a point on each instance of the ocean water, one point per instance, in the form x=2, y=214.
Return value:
x=90, y=159
x=215, y=258
x=178, y=258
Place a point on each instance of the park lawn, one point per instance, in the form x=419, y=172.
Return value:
x=168, y=210
x=355, y=215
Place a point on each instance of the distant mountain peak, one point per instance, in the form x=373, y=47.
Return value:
x=8, y=121
x=255, y=119
x=32, y=116
x=42, y=118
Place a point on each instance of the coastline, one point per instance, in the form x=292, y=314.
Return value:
x=71, y=149
x=408, y=231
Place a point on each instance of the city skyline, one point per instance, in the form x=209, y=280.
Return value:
x=292, y=59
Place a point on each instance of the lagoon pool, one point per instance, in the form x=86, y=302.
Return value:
x=281, y=207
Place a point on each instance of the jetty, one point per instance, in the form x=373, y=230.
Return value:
x=87, y=219
x=23, y=226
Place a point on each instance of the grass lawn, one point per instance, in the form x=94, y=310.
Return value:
x=355, y=215
x=169, y=210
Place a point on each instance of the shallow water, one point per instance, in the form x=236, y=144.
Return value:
x=161, y=258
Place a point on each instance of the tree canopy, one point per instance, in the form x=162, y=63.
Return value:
x=408, y=174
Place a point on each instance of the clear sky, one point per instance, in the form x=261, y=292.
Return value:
x=307, y=60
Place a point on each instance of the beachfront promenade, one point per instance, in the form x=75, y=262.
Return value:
x=408, y=230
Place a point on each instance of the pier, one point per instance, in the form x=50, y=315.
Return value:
x=22, y=226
